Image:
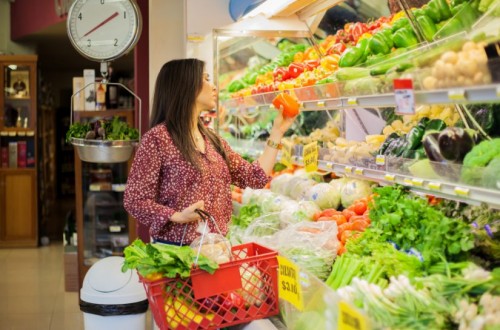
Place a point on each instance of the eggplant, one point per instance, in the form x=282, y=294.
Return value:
x=455, y=142
x=431, y=146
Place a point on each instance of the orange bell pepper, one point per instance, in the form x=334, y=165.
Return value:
x=288, y=104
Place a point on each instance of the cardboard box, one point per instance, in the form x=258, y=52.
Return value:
x=78, y=94
x=89, y=83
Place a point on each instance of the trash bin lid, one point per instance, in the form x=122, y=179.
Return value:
x=105, y=283
x=103, y=276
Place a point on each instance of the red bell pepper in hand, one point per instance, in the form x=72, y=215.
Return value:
x=288, y=104
x=281, y=73
x=295, y=69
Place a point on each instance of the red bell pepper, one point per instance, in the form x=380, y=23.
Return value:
x=295, y=69
x=337, y=48
x=281, y=73
x=311, y=64
x=358, y=29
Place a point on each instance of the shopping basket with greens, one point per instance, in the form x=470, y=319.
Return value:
x=188, y=290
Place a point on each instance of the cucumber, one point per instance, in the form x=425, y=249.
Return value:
x=351, y=73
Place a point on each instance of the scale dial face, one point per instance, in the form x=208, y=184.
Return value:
x=103, y=30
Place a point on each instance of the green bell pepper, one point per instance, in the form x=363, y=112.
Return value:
x=236, y=85
x=250, y=78
x=435, y=125
x=414, y=136
x=400, y=23
x=404, y=37
x=466, y=14
x=378, y=44
x=427, y=27
x=449, y=27
x=455, y=3
x=418, y=12
x=444, y=9
x=355, y=55
x=438, y=10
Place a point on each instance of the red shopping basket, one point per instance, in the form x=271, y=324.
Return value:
x=240, y=291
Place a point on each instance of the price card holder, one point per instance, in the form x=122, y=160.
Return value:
x=321, y=104
x=457, y=95
x=348, y=169
x=358, y=171
x=380, y=160
x=418, y=182
x=434, y=186
x=462, y=192
x=352, y=101
x=286, y=153
x=390, y=177
x=350, y=318
x=310, y=156
x=329, y=165
x=404, y=96
x=289, y=288
x=408, y=182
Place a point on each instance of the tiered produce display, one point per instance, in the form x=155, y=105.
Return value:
x=409, y=261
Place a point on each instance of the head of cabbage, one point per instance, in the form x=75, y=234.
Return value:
x=353, y=190
x=324, y=195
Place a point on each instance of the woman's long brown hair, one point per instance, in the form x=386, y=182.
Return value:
x=177, y=87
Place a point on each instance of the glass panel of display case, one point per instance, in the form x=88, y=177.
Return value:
x=17, y=110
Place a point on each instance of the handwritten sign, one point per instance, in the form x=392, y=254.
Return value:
x=289, y=287
x=286, y=153
x=310, y=156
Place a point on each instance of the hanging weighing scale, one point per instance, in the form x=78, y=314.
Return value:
x=104, y=30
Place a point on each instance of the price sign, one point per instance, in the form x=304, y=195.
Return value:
x=390, y=177
x=457, y=95
x=418, y=182
x=380, y=160
x=289, y=287
x=434, y=185
x=321, y=104
x=286, y=153
x=463, y=192
x=404, y=96
x=408, y=182
x=352, y=101
x=350, y=319
x=115, y=229
x=348, y=169
x=358, y=171
x=310, y=156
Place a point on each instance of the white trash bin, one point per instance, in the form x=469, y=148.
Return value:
x=111, y=299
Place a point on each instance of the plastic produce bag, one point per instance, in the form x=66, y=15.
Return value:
x=213, y=246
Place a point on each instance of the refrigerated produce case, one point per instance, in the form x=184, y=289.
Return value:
x=359, y=105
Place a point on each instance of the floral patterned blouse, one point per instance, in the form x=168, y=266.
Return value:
x=161, y=182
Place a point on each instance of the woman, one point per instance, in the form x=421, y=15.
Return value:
x=181, y=165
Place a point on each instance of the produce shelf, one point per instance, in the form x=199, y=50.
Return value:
x=314, y=98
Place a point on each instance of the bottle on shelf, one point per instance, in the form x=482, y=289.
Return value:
x=101, y=97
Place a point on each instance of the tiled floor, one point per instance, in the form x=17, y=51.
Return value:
x=32, y=295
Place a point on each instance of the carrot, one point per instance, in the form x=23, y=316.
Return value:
x=359, y=207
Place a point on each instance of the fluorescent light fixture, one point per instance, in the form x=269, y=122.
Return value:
x=12, y=67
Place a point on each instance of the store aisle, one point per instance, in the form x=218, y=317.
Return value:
x=32, y=292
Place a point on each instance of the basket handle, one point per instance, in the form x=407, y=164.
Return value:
x=205, y=216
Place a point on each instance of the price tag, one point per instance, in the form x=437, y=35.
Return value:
x=321, y=104
x=408, y=182
x=115, y=229
x=390, y=177
x=457, y=95
x=404, y=96
x=329, y=165
x=289, y=287
x=358, y=171
x=310, y=156
x=286, y=153
x=463, y=192
x=418, y=182
x=352, y=101
x=348, y=169
x=350, y=318
x=434, y=186
x=498, y=91
x=380, y=160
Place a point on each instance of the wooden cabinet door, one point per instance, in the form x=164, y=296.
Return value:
x=18, y=211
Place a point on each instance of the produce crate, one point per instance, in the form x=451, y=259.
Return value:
x=240, y=291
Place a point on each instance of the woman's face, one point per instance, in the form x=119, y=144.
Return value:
x=207, y=98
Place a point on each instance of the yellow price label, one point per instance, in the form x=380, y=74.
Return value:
x=434, y=186
x=408, y=182
x=358, y=171
x=310, y=156
x=286, y=153
x=464, y=192
x=350, y=318
x=348, y=169
x=457, y=95
x=390, y=177
x=321, y=104
x=289, y=287
x=498, y=91
x=418, y=182
x=329, y=165
x=352, y=101
x=380, y=160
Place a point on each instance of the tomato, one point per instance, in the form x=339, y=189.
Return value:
x=359, y=208
x=288, y=104
x=325, y=219
x=339, y=219
x=348, y=213
x=359, y=225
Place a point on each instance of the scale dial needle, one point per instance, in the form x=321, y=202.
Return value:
x=102, y=23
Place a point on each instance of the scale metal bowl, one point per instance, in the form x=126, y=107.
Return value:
x=104, y=151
